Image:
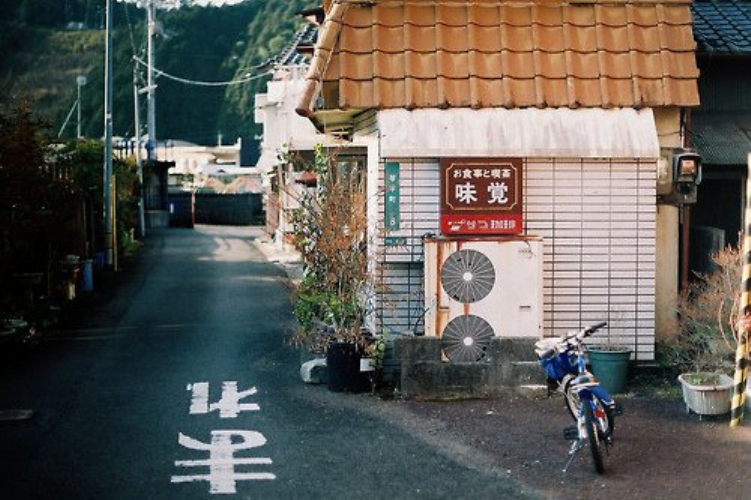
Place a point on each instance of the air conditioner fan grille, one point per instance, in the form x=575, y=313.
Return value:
x=466, y=339
x=467, y=276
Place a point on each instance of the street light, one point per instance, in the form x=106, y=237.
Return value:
x=80, y=82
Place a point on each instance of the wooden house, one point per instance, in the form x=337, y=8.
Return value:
x=721, y=126
x=566, y=106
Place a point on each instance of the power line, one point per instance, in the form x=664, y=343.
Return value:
x=208, y=84
x=130, y=29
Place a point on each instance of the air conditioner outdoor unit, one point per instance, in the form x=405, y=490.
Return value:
x=476, y=289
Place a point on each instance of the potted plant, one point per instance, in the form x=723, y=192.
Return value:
x=703, y=348
x=329, y=230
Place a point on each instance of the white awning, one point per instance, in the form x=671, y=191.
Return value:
x=532, y=132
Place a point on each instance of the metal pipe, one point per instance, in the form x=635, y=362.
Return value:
x=80, y=82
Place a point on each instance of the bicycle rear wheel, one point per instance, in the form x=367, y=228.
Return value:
x=596, y=441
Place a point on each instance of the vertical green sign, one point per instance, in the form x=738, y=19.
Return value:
x=391, y=201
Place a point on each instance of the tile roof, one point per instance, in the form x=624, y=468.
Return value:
x=722, y=27
x=500, y=53
x=722, y=138
x=291, y=54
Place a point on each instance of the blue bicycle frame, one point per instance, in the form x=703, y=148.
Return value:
x=589, y=403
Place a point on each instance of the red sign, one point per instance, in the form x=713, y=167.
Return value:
x=481, y=196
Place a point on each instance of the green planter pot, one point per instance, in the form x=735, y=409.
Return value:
x=610, y=366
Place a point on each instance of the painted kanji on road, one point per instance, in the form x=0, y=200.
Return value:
x=222, y=475
x=228, y=406
x=225, y=465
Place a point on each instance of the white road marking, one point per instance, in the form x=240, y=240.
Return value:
x=222, y=477
x=229, y=405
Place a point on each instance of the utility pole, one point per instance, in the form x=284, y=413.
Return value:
x=108, y=220
x=139, y=162
x=151, y=88
x=742, y=352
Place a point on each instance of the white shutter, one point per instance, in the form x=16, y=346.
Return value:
x=597, y=219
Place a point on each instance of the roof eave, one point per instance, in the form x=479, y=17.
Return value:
x=324, y=48
x=336, y=122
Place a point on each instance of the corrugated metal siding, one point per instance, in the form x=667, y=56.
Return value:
x=597, y=219
x=724, y=85
x=401, y=295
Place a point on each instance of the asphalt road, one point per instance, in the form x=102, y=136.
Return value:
x=184, y=387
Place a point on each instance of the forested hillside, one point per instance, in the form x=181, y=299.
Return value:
x=46, y=44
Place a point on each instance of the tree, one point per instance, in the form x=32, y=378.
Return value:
x=51, y=195
x=84, y=160
x=29, y=183
x=37, y=199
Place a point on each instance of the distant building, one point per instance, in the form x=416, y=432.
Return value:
x=286, y=133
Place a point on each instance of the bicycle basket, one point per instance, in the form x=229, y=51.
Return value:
x=556, y=366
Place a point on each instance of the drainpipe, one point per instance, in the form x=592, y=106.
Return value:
x=685, y=210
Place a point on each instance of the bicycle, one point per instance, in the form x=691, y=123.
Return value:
x=593, y=409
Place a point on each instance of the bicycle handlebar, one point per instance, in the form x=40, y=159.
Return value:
x=593, y=328
x=565, y=341
x=587, y=331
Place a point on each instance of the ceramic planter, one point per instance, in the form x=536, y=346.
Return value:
x=707, y=397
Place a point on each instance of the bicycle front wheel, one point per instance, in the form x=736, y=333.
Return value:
x=593, y=436
x=603, y=414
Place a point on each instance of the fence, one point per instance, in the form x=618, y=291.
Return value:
x=229, y=209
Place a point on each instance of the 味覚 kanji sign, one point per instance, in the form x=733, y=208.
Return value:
x=481, y=196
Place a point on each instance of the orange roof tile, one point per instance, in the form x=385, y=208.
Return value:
x=502, y=53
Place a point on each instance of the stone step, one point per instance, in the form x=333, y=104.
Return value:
x=532, y=390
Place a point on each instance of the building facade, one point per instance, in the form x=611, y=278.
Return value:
x=583, y=100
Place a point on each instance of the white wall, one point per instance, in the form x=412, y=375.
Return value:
x=284, y=130
x=598, y=222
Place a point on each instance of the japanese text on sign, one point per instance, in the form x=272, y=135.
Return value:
x=481, y=196
x=392, y=195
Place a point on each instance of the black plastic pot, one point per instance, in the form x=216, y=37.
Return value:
x=343, y=364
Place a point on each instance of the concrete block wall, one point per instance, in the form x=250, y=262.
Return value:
x=423, y=374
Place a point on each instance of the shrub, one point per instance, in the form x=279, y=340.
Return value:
x=707, y=317
x=329, y=230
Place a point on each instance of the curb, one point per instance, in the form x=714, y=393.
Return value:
x=288, y=260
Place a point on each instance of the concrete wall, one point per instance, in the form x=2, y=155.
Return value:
x=508, y=365
x=668, y=234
